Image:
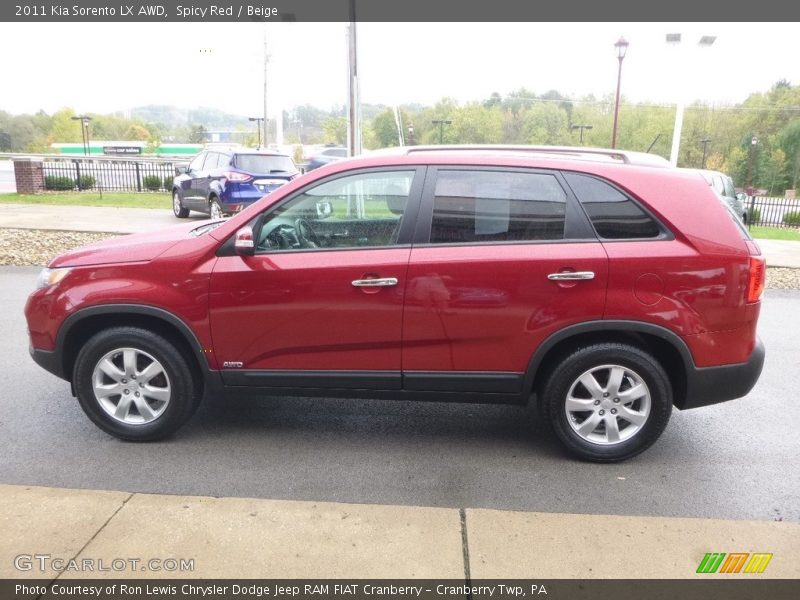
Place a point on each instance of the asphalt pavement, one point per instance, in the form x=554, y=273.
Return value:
x=735, y=460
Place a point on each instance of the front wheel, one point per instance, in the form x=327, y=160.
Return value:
x=135, y=384
x=608, y=402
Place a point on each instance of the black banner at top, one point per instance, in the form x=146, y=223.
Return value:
x=394, y=11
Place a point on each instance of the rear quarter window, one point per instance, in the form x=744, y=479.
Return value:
x=613, y=214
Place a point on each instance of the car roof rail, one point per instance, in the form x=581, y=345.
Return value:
x=622, y=156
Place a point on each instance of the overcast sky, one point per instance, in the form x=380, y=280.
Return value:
x=106, y=67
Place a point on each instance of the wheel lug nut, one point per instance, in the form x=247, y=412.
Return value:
x=133, y=376
x=136, y=394
x=596, y=402
x=616, y=399
x=124, y=381
x=613, y=410
x=127, y=391
x=602, y=412
x=605, y=394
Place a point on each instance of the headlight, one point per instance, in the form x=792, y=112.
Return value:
x=50, y=277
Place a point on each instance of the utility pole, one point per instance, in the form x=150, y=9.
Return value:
x=353, y=96
x=266, y=62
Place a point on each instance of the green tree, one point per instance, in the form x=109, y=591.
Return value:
x=198, y=134
x=384, y=130
x=63, y=128
x=335, y=130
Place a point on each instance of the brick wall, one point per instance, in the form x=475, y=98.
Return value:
x=29, y=175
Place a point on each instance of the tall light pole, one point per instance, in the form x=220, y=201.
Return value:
x=675, y=39
x=84, y=119
x=258, y=120
x=441, y=123
x=622, y=48
x=581, y=127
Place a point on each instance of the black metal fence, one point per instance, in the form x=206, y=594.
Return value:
x=773, y=212
x=104, y=174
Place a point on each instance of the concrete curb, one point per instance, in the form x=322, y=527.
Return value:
x=244, y=537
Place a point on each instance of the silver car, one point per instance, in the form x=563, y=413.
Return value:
x=722, y=184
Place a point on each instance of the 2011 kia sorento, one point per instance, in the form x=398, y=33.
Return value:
x=600, y=285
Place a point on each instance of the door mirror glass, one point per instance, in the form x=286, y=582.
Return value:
x=182, y=168
x=243, y=243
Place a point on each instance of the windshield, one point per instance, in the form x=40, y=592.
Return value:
x=265, y=163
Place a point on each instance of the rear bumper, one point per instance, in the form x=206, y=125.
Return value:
x=711, y=385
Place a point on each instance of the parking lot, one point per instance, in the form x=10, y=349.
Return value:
x=733, y=460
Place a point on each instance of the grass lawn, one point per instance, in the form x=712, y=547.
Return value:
x=775, y=233
x=116, y=200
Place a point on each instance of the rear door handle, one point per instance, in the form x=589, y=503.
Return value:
x=571, y=276
x=383, y=282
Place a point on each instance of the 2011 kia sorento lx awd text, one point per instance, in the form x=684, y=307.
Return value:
x=600, y=285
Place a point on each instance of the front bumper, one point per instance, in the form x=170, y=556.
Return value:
x=711, y=385
x=49, y=361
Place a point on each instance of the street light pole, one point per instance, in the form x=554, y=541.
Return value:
x=441, y=123
x=753, y=144
x=705, y=142
x=581, y=127
x=258, y=121
x=622, y=49
x=84, y=119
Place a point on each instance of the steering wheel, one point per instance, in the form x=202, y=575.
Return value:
x=305, y=235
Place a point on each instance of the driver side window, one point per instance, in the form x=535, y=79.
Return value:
x=355, y=211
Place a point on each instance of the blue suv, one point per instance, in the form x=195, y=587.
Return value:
x=223, y=182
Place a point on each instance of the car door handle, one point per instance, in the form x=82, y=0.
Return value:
x=571, y=276
x=384, y=282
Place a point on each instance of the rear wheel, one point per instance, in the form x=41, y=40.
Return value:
x=134, y=384
x=608, y=402
x=215, y=208
x=177, y=205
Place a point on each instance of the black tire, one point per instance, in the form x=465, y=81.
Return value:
x=184, y=394
x=177, y=205
x=634, y=362
x=212, y=203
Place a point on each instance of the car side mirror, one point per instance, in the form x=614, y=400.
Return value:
x=181, y=169
x=741, y=196
x=243, y=242
x=324, y=209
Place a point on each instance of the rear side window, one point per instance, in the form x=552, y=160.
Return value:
x=493, y=206
x=613, y=214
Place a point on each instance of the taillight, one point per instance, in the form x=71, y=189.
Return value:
x=238, y=177
x=756, y=278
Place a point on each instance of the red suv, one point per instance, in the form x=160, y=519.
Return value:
x=600, y=285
